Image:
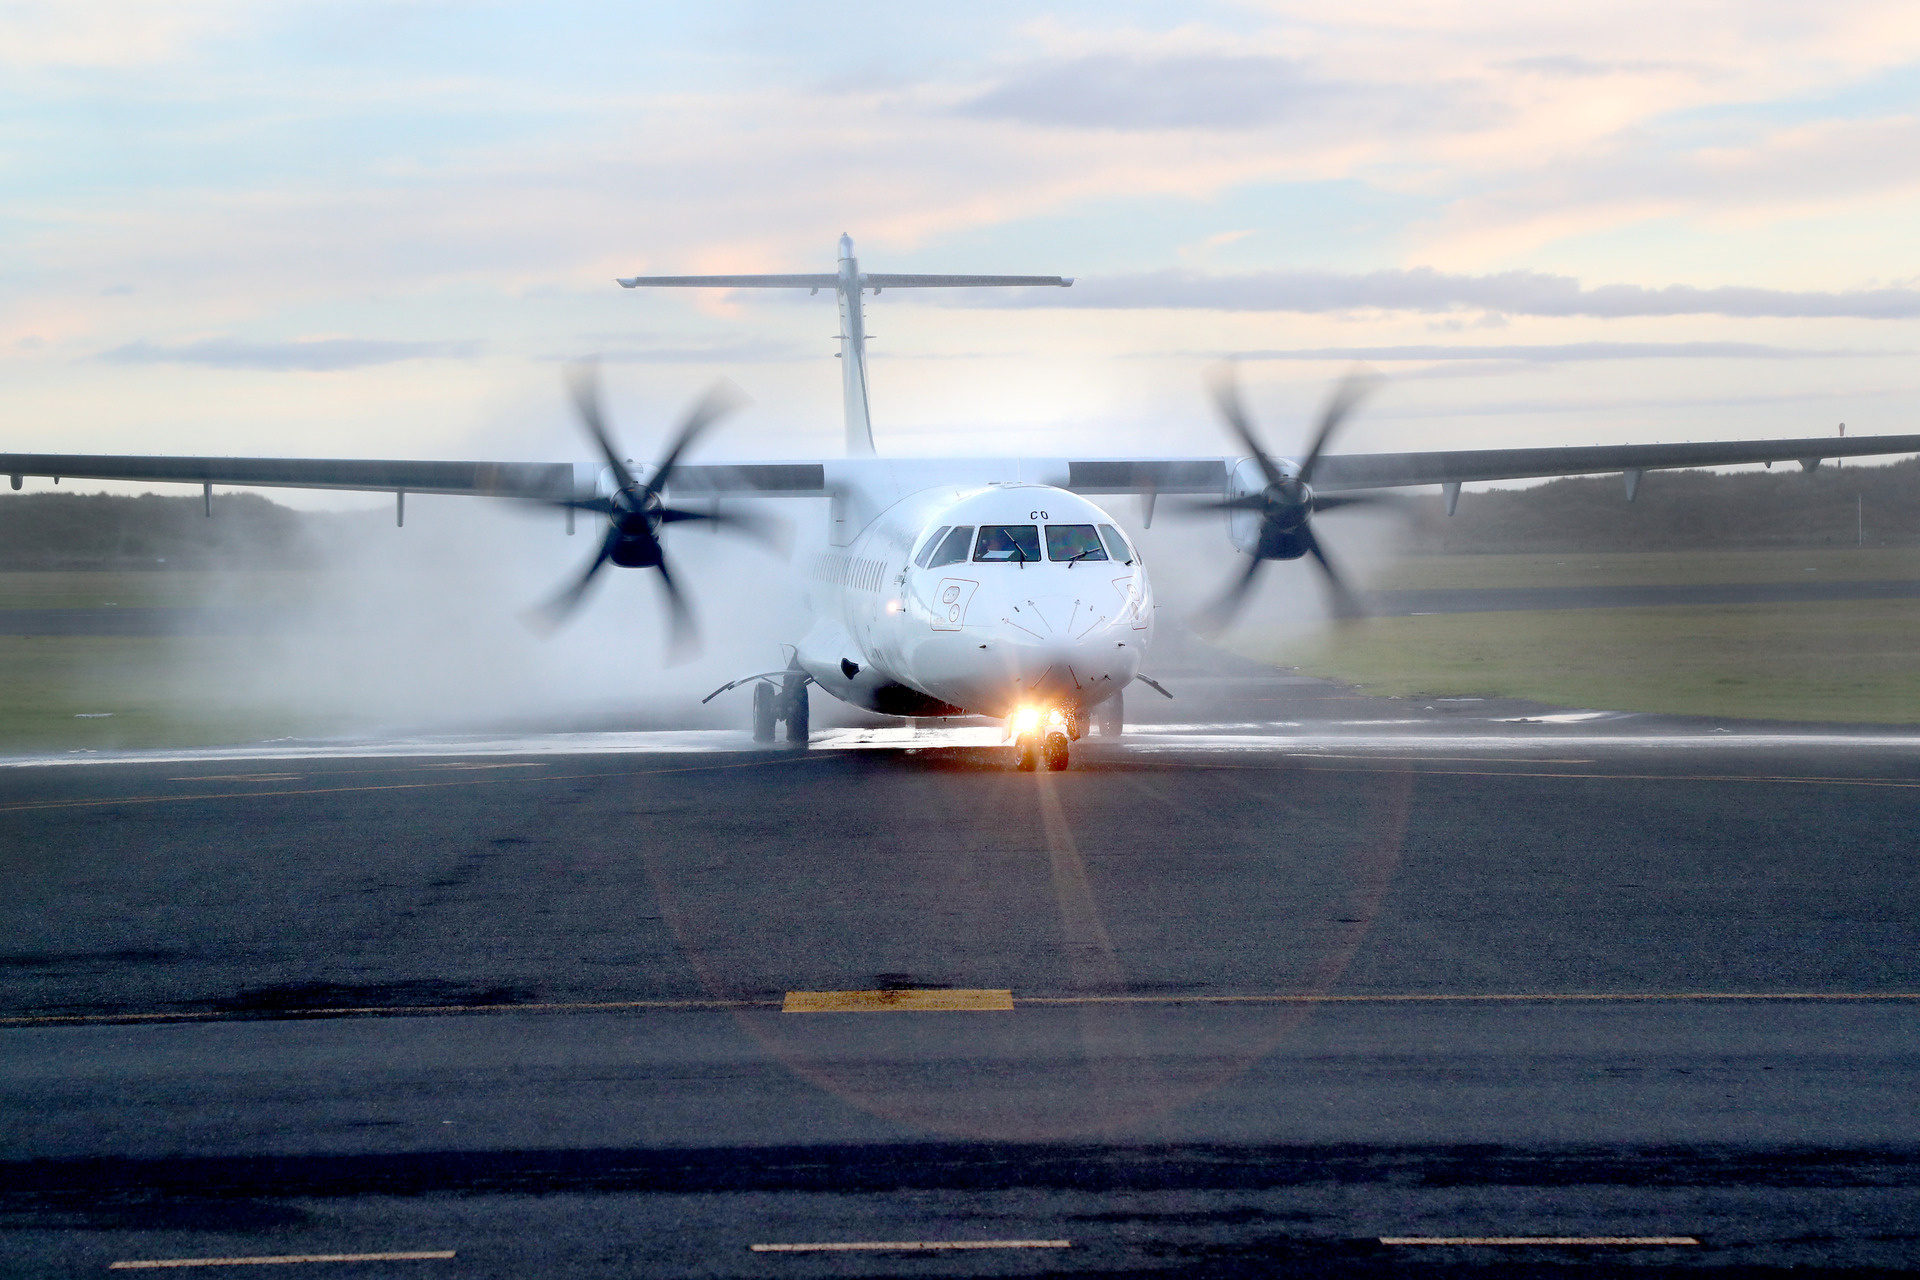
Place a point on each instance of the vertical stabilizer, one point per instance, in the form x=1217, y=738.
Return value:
x=849, y=283
x=853, y=353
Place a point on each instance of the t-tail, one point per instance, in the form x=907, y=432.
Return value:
x=849, y=283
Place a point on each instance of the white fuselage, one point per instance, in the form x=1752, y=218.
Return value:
x=1004, y=619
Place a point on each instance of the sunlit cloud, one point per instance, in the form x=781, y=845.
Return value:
x=1425, y=290
x=317, y=355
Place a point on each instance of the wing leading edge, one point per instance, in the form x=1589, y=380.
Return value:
x=1337, y=472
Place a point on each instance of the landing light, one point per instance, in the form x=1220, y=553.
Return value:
x=1025, y=721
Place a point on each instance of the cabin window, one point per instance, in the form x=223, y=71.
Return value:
x=954, y=549
x=933, y=543
x=1003, y=542
x=1116, y=544
x=1073, y=542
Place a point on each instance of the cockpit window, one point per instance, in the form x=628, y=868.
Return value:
x=933, y=543
x=1073, y=542
x=1116, y=544
x=954, y=549
x=1000, y=542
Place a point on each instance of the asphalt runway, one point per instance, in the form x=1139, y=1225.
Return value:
x=1269, y=981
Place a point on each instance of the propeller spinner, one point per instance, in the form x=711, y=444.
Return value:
x=1287, y=505
x=636, y=512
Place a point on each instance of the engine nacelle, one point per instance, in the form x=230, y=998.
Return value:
x=1243, y=527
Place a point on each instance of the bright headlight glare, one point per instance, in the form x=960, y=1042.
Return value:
x=1025, y=720
x=1057, y=717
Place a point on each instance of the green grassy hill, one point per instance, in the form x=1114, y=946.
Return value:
x=1689, y=511
x=72, y=531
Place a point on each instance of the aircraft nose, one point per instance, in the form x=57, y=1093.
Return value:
x=1056, y=647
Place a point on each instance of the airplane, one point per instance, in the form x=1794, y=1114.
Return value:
x=943, y=587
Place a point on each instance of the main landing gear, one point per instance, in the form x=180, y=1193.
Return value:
x=787, y=703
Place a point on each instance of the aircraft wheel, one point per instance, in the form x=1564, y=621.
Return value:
x=798, y=728
x=1110, y=717
x=1024, y=753
x=1056, y=751
x=763, y=716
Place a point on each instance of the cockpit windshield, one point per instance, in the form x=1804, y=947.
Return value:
x=1117, y=544
x=954, y=549
x=1002, y=542
x=1072, y=542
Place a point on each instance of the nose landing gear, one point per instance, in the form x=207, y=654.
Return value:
x=1056, y=751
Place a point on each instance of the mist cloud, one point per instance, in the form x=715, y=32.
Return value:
x=316, y=356
x=1423, y=289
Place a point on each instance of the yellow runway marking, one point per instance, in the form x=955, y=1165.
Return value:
x=152, y=1264
x=38, y=805
x=894, y=1246
x=1538, y=1240
x=921, y=1001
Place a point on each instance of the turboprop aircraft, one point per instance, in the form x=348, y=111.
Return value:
x=954, y=586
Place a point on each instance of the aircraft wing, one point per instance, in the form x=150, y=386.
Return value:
x=557, y=480
x=534, y=480
x=1336, y=472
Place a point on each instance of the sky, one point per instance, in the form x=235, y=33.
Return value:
x=380, y=229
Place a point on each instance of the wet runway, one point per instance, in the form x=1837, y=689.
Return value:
x=1254, y=991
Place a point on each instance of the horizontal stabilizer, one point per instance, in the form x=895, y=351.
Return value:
x=870, y=280
x=730, y=282
x=888, y=280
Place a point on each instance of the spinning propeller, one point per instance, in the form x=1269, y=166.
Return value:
x=636, y=513
x=1287, y=505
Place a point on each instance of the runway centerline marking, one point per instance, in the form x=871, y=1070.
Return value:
x=34, y=806
x=1541, y=1240
x=907, y=1246
x=920, y=1000
x=268, y=1260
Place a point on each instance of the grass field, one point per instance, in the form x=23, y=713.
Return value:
x=1855, y=661
x=1846, y=661
x=77, y=693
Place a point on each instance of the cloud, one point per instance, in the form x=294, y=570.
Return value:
x=1557, y=352
x=1423, y=289
x=316, y=355
x=1118, y=92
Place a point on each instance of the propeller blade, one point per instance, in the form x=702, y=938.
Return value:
x=1218, y=615
x=721, y=399
x=556, y=610
x=1346, y=397
x=603, y=506
x=684, y=634
x=772, y=530
x=1346, y=605
x=583, y=379
x=1226, y=398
